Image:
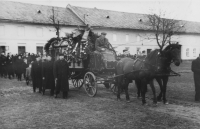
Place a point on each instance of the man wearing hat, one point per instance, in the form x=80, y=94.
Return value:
x=47, y=76
x=36, y=74
x=19, y=67
x=196, y=74
x=61, y=75
x=102, y=42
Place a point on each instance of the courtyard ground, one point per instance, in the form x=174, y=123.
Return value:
x=20, y=108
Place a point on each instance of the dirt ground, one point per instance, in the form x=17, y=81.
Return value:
x=20, y=108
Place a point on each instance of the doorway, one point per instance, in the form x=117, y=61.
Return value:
x=3, y=49
x=21, y=49
x=39, y=49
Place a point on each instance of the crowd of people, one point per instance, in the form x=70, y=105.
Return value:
x=40, y=69
x=12, y=66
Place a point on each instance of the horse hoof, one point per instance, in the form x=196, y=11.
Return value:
x=118, y=99
x=155, y=104
x=139, y=97
x=144, y=104
x=166, y=103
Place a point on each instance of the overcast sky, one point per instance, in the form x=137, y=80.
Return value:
x=176, y=9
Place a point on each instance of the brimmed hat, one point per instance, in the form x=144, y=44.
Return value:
x=103, y=33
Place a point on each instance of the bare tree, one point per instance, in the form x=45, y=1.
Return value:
x=54, y=18
x=163, y=29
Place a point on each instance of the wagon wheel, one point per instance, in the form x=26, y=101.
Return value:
x=77, y=83
x=90, y=84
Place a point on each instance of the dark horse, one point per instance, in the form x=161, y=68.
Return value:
x=171, y=54
x=143, y=71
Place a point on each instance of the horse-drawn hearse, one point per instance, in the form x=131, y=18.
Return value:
x=89, y=67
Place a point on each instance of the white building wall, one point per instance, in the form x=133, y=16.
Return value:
x=31, y=36
x=139, y=39
x=136, y=39
x=27, y=35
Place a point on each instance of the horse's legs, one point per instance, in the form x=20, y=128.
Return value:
x=138, y=85
x=144, y=85
x=159, y=98
x=126, y=89
x=165, y=80
x=119, y=85
x=154, y=92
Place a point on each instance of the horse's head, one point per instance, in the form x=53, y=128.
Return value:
x=173, y=54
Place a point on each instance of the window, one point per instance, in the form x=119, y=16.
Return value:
x=2, y=30
x=148, y=51
x=21, y=49
x=138, y=38
x=194, y=52
x=114, y=37
x=187, y=52
x=127, y=38
x=21, y=31
x=2, y=49
x=39, y=49
x=39, y=32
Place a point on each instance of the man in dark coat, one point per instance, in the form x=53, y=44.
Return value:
x=19, y=68
x=3, y=65
x=102, y=42
x=36, y=74
x=61, y=75
x=196, y=71
x=10, y=69
x=48, y=77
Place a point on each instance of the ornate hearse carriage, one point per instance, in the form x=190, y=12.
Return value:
x=88, y=67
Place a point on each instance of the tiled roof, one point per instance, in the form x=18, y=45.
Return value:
x=73, y=15
x=23, y=12
x=98, y=17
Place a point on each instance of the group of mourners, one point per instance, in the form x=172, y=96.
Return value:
x=12, y=66
x=41, y=70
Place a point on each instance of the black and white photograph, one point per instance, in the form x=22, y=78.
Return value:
x=99, y=64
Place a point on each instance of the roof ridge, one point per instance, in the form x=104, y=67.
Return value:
x=31, y=4
x=128, y=13
x=108, y=10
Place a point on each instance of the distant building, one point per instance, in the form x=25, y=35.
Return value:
x=26, y=28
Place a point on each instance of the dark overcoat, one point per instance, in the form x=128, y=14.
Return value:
x=61, y=72
x=19, y=66
x=10, y=68
x=36, y=74
x=3, y=64
x=101, y=43
x=196, y=71
x=49, y=82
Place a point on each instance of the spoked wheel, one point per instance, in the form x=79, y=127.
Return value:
x=77, y=83
x=90, y=84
